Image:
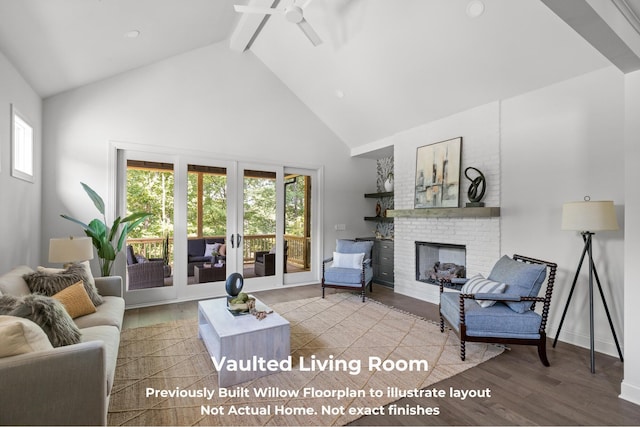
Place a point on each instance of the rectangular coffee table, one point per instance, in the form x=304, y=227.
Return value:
x=241, y=338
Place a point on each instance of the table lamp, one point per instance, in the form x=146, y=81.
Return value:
x=587, y=217
x=67, y=250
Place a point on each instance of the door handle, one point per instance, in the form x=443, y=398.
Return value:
x=239, y=239
x=232, y=243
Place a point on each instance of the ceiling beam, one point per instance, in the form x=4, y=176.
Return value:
x=601, y=23
x=249, y=26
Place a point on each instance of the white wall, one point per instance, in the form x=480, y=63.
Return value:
x=559, y=144
x=631, y=383
x=221, y=103
x=19, y=200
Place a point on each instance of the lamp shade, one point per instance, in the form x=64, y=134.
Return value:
x=70, y=249
x=589, y=216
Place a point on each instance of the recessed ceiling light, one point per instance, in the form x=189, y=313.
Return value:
x=475, y=8
x=133, y=34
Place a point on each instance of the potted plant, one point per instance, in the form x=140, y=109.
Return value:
x=108, y=241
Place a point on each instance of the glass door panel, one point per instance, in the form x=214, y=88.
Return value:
x=259, y=223
x=149, y=247
x=297, y=232
x=206, y=224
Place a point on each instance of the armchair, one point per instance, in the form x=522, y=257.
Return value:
x=143, y=273
x=350, y=267
x=501, y=308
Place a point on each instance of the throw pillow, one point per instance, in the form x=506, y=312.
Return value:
x=75, y=300
x=347, y=260
x=50, y=284
x=212, y=249
x=50, y=315
x=479, y=285
x=522, y=279
x=19, y=336
x=223, y=250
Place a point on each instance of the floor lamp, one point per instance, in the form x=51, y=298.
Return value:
x=588, y=217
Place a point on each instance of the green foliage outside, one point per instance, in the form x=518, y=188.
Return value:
x=152, y=191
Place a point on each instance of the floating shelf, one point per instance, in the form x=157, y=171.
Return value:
x=379, y=218
x=483, y=212
x=378, y=195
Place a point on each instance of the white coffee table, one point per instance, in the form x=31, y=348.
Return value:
x=241, y=338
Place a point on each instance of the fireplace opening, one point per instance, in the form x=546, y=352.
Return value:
x=440, y=263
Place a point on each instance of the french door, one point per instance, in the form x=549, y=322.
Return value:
x=212, y=218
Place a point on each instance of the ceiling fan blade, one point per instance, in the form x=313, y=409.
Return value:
x=251, y=9
x=308, y=31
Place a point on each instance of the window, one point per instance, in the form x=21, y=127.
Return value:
x=22, y=146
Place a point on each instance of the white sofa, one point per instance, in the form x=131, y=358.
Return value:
x=68, y=385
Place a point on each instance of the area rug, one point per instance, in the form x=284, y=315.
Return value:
x=164, y=375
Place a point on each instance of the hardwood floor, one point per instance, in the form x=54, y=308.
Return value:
x=523, y=391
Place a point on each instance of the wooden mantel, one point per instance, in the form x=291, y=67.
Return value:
x=477, y=212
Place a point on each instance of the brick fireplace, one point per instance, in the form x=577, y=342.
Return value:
x=480, y=236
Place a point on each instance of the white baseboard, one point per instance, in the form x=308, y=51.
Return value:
x=630, y=392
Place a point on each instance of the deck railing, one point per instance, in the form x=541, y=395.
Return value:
x=298, y=247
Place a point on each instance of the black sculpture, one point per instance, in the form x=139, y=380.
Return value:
x=476, y=189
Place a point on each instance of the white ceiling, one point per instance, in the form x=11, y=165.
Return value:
x=399, y=63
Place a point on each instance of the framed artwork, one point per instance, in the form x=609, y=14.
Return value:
x=438, y=174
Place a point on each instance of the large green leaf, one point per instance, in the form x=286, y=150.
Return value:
x=97, y=200
x=82, y=224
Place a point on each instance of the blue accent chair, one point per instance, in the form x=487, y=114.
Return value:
x=349, y=278
x=512, y=319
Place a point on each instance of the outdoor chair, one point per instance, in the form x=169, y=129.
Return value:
x=264, y=262
x=501, y=308
x=350, y=266
x=143, y=273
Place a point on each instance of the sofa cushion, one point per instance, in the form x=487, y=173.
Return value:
x=50, y=284
x=19, y=336
x=109, y=313
x=522, y=279
x=46, y=312
x=12, y=283
x=111, y=338
x=496, y=321
x=479, y=285
x=76, y=300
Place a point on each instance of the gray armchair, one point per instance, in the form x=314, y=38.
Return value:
x=350, y=267
x=501, y=308
x=143, y=274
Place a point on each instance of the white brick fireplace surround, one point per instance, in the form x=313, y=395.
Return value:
x=479, y=129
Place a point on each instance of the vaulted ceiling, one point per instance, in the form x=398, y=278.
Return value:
x=384, y=66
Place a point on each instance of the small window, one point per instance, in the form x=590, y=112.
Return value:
x=22, y=146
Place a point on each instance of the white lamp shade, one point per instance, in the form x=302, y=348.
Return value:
x=70, y=249
x=589, y=216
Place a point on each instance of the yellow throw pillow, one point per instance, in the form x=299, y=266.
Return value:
x=76, y=300
x=18, y=336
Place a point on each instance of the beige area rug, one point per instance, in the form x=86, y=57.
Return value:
x=170, y=357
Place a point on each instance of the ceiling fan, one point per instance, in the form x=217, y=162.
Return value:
x=292, y=13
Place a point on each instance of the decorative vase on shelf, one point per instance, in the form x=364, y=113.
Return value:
x=388, y=184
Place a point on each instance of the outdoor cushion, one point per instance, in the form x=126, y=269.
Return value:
x=496, y=321
x=522, y=280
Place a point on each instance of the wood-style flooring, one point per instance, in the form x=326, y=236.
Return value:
x=523, y=391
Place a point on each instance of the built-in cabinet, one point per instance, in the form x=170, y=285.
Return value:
x=383, y=262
